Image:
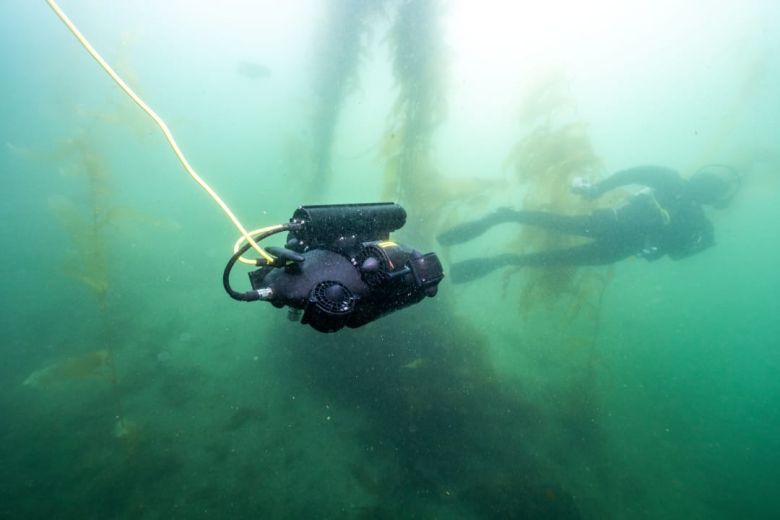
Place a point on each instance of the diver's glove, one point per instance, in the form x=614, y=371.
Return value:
x=584, y=188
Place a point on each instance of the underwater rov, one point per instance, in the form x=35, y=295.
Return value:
x=339, y=268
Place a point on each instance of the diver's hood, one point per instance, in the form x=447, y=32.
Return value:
x=714, y=185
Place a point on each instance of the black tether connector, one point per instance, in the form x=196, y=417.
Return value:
x=282, y=256
x=242, y=297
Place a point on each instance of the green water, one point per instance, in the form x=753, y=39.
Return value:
x=653, y=394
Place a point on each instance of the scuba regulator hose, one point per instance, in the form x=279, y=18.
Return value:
x=166, y=132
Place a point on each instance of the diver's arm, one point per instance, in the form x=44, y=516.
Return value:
x=659, y=178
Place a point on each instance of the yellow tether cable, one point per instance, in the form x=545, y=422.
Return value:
x=260, y=234
x=164, y=127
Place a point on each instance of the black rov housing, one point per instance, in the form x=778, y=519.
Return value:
x=339, y=267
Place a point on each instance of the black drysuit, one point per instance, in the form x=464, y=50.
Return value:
x=653, y=223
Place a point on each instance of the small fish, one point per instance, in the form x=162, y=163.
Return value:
x=417, y=363
x=125, y=428
x=19, y=151
x=86, y=366
x=253, y=70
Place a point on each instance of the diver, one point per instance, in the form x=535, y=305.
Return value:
x=664, y=218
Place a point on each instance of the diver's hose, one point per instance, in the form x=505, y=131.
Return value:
x=163, y=126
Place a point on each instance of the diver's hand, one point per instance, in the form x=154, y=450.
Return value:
x=584, y=188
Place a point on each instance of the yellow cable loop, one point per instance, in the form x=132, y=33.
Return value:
x=164, y=127
x=260, y=234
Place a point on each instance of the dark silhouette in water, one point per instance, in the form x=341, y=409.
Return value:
x=341, y=46
x=668, y=219
x=252, y=70
x=444, y=436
